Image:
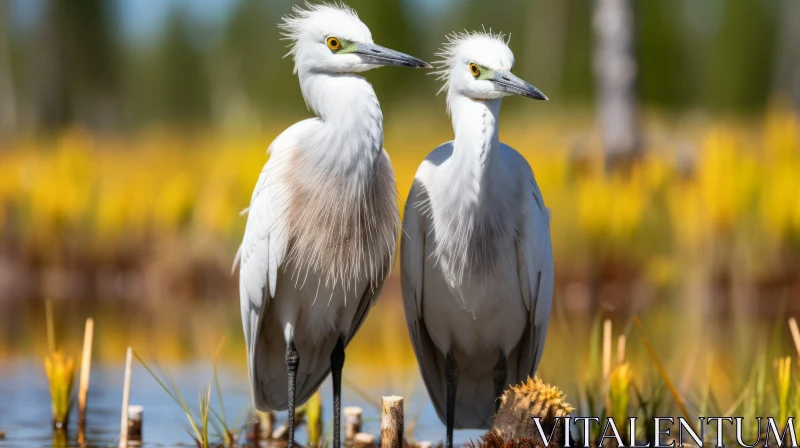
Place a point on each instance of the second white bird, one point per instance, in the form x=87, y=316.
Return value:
x=477, y=263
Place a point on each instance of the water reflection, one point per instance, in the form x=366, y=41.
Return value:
x=183, y=337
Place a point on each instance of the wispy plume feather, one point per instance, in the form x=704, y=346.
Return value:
x=449, y=50
x=294, y=24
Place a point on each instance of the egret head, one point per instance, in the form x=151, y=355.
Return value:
x=330, y=38
x=478, y=65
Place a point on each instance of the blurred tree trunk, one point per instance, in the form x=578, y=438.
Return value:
x=75, y=66
x=615, y=75
x=8, y=97
x=49, y=80
x=787, y=73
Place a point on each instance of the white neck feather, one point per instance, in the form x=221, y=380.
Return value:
x=351, y=137
x=338, y=175
x=475, y=123
x=473, y=204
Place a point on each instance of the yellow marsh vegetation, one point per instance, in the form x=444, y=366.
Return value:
x=697, y=187
x=60, y=371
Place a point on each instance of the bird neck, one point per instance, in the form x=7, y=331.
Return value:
x=352, y=131
x=476, y=136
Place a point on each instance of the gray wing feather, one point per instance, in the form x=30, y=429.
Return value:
x=364, y=305
x=263, y=245
x=536, y=274
x=259, y=255
x=412, y=255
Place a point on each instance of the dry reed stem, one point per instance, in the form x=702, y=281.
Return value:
x=606, y=348
x=621, y=342
x=126, y=397
x=661, y=369
x=795, y=334
x=267, y=424
x=86, y=367
x=392, y=422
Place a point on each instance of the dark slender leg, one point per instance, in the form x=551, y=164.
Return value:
x=337, y=362
x=451, y=378
x=500, y=378
x=292, y=361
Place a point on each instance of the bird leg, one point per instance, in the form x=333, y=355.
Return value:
x=500, y=377
x=451, y=378
x=337, y=363
x=292, y=362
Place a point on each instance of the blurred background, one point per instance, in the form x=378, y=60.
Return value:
x=132, y=133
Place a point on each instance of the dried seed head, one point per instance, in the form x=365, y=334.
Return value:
x=521, y=404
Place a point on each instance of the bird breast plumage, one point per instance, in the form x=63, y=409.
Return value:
x=343, y=228
x=473, y=242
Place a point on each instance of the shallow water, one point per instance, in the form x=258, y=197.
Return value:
x=183, y=336
x=26, y=419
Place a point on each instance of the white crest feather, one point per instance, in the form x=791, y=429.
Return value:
x=449, y=50
x=293, y=24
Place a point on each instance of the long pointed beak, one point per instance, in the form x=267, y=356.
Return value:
x=376, y=55
x=510, y=83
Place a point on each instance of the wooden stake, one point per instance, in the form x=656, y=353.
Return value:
x=126, y=398
x=135, y=415
x=392, y=422
x=86, y=366
x=352, y=422
x=253, y=433
x=606, y=348
x=795, y=334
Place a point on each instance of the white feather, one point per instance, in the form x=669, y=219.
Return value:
x=476, y=257
x=323, y=218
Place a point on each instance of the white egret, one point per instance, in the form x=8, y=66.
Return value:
x=477, y=263
x=323, y=219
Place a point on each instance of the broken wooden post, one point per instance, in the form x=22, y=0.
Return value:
x=363, y=440
x=392, y=422
x=253, y=432
x=352, y=422
x=135, y=423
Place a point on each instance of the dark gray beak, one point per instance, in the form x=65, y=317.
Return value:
x=376, y=55
x=510, y=83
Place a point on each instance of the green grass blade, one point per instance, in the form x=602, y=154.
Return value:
x=219, y=393
x=176, y=397
x=155, y=377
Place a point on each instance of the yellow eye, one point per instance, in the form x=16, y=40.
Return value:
x=334, y=43
x=474, y=69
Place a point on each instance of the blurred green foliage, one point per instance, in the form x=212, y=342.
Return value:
x=74, y=66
